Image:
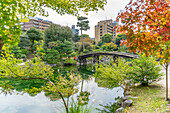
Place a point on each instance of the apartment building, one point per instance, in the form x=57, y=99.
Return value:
x=35, y=22
x=105, y=27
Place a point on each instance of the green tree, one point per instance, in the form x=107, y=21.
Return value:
x=52, y=56
x=119, y=37
x=64, y=48
x=17, y=51
x=83, y=23
x=24, y=42
x=111, y=76
x=57, y=33
x=88, y=47
x=76, y=38
x=106, y=38
x=111, y=46
x=37, y=72
x=15, y=11
x=145, y=70
x=34, y=35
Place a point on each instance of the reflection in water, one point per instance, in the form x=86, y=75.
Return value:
x=40, y=103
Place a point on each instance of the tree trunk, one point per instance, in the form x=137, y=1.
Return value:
x=166, y=68
x=65, y=105
x=1, y=44
x=82, y=40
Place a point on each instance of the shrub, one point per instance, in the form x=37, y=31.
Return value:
x=145, y=70
x=114, y=75
x=52, y=56
x=24, y=51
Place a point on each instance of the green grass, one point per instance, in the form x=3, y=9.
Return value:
x=151, y=99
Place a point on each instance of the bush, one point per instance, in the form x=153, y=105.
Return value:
x=24, y=51
x=52, y=56
x=114, y=75
x=145, y=70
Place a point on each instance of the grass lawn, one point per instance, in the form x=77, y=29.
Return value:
x=151, y=99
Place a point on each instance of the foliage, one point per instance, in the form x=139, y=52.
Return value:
x=83, y=98
x=114, y=75
x=123, y=48
x=57, y=33
x=36, y=70
x=145, y=70
x=106, y=38
x=76, y=38
x=52, y=56
x=111, y=46
x=85, y=35
x=146, y=23
x=109, y=108
x=64, y=49
x=97, y=50
x=87, y=46
x=100, y=43
x=77, y=108
x=24, y=42
x=104, y=47
x=120, y=37
x=69, y=61
x=83, y=23
x=15, y=11
x=19, y=53
x=87, y=40
x=34, y=35
x=97, y=47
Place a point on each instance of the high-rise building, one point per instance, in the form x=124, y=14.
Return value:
x=35, y=22
x=105, y=27
x=75, y=31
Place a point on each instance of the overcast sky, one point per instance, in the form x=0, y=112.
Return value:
x=110, y=12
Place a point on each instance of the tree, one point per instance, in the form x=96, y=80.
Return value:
x=145, y=70
x=24, y=42
x=83, y=23
x=111, y=46
x=64, y=48
x=76, y=38
x=120, y=37
x=57, y=33
x=87, y=39
x=34, y=35
x=146, y=24
x=111, y=76
x=37, y=72
x=14, y=11
x=87, y=46
x=106, y=38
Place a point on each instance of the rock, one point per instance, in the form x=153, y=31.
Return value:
x=129, y=96
x=127, y=93
x=134, y=97
x=127, y=103
x=120, y=110
x=123, y=99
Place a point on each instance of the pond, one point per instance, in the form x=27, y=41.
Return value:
x=14, y=103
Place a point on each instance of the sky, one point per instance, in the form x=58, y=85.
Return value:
x=110, y=12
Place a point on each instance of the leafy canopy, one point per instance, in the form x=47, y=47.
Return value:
x=57, y=33
x=106, y=38
x=14, y=11
x=146, y=24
